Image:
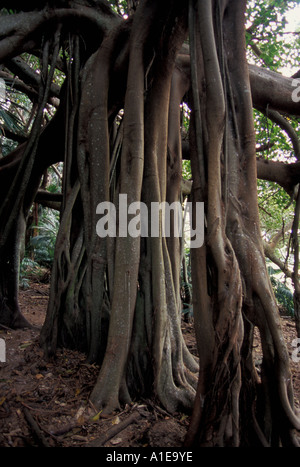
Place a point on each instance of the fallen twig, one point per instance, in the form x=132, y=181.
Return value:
x=158, y=409
x=5, y=327
x=63, y=430
x=133, y=418
x=40, y=438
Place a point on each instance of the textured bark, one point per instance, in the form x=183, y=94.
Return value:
x=286, y=175
x=272, y=90
x=20, y=175
x=118, y=131
x=233, y=257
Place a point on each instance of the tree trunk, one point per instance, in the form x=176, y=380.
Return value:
x=17, y=195
x=117, y=130
x=240, y=295
x=114, y=285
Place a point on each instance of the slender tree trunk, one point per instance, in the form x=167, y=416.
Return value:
x=20, y=176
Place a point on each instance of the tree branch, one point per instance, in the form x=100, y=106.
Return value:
x=280, y=120
x=5, y=131
x=22, y=32
x=272, y=90
x=286, y=175
x=19, y=67
x=265, y=147
x=268, y=88
x=19, y=85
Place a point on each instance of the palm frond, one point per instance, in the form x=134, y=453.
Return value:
x=12, y=122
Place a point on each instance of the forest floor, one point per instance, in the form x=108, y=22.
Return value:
x=47, y=403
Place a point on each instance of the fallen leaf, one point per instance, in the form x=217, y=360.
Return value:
x=116, y=421
x=116, y=441
x=80, y=412
x=96, y=417
x=24, y=345
x=79, y=438
x=39, y=376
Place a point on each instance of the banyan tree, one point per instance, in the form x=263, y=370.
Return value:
x=117, y=129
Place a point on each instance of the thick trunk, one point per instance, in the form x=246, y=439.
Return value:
x=101, y=284
x=118, y=299
x=111, y=385
x=234, y=258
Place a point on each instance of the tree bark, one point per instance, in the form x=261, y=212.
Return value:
x=117, y=130
x=234, y=257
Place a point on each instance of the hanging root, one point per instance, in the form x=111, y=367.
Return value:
x=271, y=319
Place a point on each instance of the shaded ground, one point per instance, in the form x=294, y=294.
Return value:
x=44, y=403
x=47, y=404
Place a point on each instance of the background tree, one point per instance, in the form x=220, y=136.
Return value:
x=115, y=122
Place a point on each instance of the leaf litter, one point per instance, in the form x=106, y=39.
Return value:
x=46, y=403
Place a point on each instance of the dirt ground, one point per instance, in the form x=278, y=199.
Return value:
x=47, y=404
